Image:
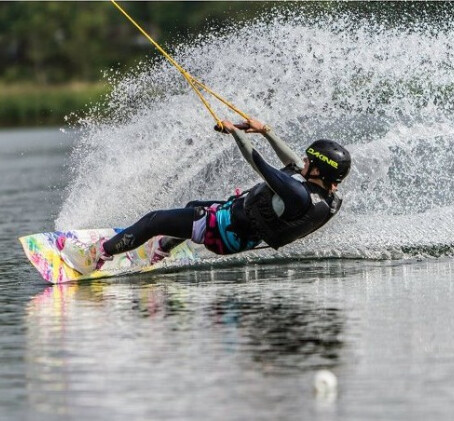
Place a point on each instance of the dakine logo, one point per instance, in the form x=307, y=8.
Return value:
x=127, y=240
x=323, y=158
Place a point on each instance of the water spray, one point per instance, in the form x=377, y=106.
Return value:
x=193, y=82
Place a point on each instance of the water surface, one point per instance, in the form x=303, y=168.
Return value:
x=244, y=341
x=234, y=343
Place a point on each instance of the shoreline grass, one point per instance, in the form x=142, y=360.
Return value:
x=29, y=105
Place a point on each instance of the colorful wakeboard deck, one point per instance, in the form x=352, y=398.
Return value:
x=43, y=251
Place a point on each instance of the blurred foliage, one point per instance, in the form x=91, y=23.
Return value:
x=35, y=105
x=54, y=42
x=48, y=48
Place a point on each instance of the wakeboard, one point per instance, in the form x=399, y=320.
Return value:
x=43, y=251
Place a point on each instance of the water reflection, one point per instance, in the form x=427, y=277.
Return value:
x=243, y=340
x=272, y=325
x=280, y=334
x=84, y=339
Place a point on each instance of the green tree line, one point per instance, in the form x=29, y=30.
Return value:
x=54, y=42
x=52, y=53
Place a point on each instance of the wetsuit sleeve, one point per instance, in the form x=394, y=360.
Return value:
x=285, y=154
x=294, y=195
x=245, y=147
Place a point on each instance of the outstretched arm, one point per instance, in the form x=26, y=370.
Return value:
x=285, y=154
x=244, y=144
x=246, y=149
x=290, y=190
x=283, y=151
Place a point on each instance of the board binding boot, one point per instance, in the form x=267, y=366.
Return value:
x=82, y=257
x=157, y=253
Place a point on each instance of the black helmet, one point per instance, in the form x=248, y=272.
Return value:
x=332, y=160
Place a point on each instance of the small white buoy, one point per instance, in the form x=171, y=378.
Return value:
x=325, y=383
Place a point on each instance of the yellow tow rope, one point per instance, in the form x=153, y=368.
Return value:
x=193, y=82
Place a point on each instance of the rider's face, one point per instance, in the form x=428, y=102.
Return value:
x=315, y=171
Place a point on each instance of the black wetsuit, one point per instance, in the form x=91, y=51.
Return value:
x=292, y=198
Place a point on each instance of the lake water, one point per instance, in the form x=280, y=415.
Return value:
x=237, y=343
x=368, y=297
